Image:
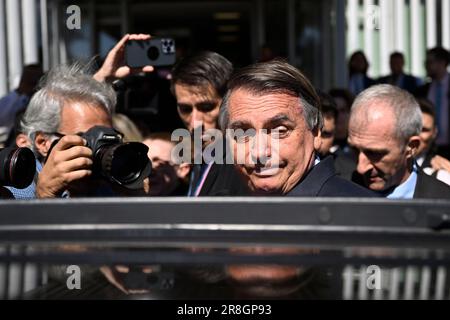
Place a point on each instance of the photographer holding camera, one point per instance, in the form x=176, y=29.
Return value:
x=68, y=122
x=69, y=102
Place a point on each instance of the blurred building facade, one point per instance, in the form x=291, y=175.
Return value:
x=384, y=26
x=315, y=35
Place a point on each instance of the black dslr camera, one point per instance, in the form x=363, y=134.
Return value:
x=126, y=164
x=17, y=167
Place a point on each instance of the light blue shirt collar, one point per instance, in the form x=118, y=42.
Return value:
x=407, y=188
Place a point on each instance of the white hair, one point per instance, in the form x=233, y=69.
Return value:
x=408, y=117
x=66, y=83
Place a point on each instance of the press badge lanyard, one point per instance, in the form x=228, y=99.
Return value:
x=201, y=183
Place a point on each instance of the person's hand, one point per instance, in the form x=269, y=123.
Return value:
x=114, y=65
x=440, y=163
x=146, y=186
x=69, y=161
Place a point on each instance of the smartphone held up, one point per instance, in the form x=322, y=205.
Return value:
x=157, y=52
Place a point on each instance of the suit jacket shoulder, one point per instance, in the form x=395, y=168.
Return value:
x=223, y=180
x=368, y=82
x=322, y=181
x=344, y=164
x=428, y=187
x=410, y=83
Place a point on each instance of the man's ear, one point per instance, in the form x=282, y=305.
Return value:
x=42, y=143
x=412, y=146
x=317, y=138
x=22, y=141
x=435, y=132
x=183, y=171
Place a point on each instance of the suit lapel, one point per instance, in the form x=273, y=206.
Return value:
x=311, y=185
x=210, y=179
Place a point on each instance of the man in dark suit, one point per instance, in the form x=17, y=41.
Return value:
x=358, y=66
x=344, y=164
x=271, y=113
x=429, y=188
x=385, y=123
x=438, y=92
x=427, y=159
x=198, y=84
x=398, y=77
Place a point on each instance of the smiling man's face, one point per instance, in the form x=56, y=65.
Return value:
x=282, y=136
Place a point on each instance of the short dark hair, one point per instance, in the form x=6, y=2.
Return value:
x=353, y=56
x=427, y=107
x=441, y=54
x=343, y=94
x=164, y=136
x=275, y=76
x=397, y=55
x=203, y=68
x=328, y=105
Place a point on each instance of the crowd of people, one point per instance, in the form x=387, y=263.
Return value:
x=377, y=138
x=387, y=137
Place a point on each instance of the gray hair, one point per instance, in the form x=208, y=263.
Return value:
x=276, y=76
x=407, y=112
x=61, y=85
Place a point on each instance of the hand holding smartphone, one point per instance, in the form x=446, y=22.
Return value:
x=155, y=52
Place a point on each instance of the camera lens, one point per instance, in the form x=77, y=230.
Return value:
x=18, y=167
x=153, y=53
x=126, y=164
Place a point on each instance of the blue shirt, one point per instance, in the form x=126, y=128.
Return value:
x=30, y=191
x=407, y=188
x=356, y=83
